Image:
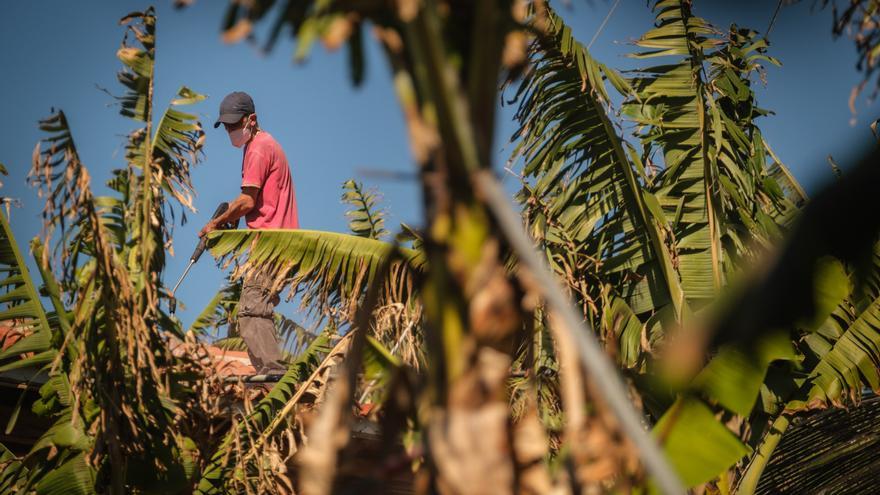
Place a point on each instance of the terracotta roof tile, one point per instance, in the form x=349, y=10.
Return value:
x=9, y=335
x=226, y=363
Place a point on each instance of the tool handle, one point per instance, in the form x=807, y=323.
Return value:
x=203, y=242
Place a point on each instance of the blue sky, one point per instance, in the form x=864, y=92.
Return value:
x=57, y=53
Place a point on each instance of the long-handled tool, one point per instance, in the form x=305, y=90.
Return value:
x=200, y=248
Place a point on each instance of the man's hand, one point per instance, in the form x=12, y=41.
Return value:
x=239, y=207
x=210, y=226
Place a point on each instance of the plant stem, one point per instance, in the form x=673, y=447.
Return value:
x=593, y=359
x=749, y=481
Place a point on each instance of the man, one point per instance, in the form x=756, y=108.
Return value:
x=267, y=201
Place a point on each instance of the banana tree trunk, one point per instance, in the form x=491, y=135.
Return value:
x=749, y=481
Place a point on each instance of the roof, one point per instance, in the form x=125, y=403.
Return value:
x=832, y=451
x=231, y=362
x=9, y=335
x=224, y=362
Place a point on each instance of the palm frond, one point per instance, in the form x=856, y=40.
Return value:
x=791, y=188
x=308, y=22
x=112, y=277
x=379, y=366
x=754, y=204
x=327, y=267
x=64, y=183
x=295, y=337
x=220, y=310
x=12, y=472
x=74, y=476
x=716, y=188
x=270, y=412
x=696, y=443
x=177, y=146
x=623, y=325
x=230, y=344
x=57, y=463
x=847, y=362
x=587, y=198
x=116, y=211
x=671, y=108
x=163, y=153
x=409, y=237
x=139, y=61
x=20, y=305
x=398, y=327
x=365, y=218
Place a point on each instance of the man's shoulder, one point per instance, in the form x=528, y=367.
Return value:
x=263, y=144
x=263, y=138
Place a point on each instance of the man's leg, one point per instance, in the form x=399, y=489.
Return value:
x=259, y=335
x=257, y=326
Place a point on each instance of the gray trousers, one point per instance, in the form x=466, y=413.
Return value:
x=257, y=325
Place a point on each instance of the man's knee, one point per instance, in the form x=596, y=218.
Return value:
x=256, y=326
x=256, y=301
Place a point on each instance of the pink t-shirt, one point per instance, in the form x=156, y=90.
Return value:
x=265, y=166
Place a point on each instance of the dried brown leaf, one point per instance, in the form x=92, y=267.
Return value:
x=407, y=9
x=238, y=32
x=339, y=31
x=530, y=447
x=390, y=38
x=519, y=10
x=515, y=49
x=328, y=434
x=471, y=450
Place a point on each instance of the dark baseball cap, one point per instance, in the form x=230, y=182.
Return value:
x=235, y=106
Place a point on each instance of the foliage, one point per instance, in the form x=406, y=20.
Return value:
x=446, y=82
x=365, y=219
x=718, y=447
x=237, y=450
x=631, y=227
x=22, y=308
x=858, y=19
x=220, y=310
x=586, y=204
x=329, y=268
x=110, y=392
x=650, y=214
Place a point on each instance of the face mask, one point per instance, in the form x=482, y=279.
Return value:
x=240, y=136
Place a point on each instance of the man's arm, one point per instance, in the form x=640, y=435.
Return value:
x=239, y=207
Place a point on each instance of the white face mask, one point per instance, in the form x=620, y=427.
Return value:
x=240, y=136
